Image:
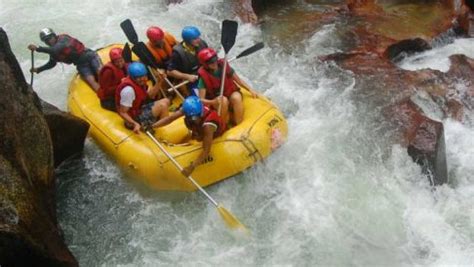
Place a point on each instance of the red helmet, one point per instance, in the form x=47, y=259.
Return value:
x=155, y=34
x=205, y=55
x=115, y=53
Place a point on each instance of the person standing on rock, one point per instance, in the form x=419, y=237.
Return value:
x=66, y=49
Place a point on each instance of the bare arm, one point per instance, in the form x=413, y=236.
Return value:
x=122, y=111
x=182, y=76
x=168, y=119
x=208, y=102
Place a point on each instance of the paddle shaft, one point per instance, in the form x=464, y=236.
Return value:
x=254, y=48
x=172, y=85
x=224, y=68
x=131, y=33
x=181, y=168
x=32, y=66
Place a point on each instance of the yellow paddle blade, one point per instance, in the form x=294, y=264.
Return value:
x=230, y=220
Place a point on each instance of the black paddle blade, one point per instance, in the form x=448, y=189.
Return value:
x=250, y=50
x=229, y=32
x=127, y=53
x=129, y=31
x=144, y=54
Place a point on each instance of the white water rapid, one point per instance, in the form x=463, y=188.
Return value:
x=338, y=193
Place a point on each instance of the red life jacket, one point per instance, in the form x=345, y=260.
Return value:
x=140, y=96
x=209, y=116
x=213, y=84
x=108, y=84
x=163, y=54
x=72, y=51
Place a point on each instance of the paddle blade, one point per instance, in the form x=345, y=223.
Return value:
x=127, y=53
x=129, y=31
x=231, y=221
x=144, y=54
x=228, y=34
x=250, y=50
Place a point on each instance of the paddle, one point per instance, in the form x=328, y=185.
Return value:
x=254, y=48
x=32, y=66
x=127, y=53
x=231, y=221
x=141, y=50
x=129, y=31
x=228, y=34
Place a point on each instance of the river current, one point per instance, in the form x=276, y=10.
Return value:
x=338, y=193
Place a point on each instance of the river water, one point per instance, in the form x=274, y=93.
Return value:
x=338, y=193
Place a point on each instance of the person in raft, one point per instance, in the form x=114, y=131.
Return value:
x=184, y=62
x=210, y=76
x=66, y=49
x=204, y=123
x=110, y=76
x=160, y=44
x=134, y=99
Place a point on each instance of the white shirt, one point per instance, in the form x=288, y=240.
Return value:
x=127, y=95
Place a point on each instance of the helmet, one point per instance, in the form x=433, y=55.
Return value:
x=155, y=34
x=205, y=55
x=192, y=106
x=46, y=33
x=190, y=33
x=115, y=53
x=137, y=69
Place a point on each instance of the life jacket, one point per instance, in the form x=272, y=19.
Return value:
x=213, y=83
x=162, y=54
x=71, y=52
x=209, y=116
x=109, y=85
x=189, y=60
x=140, y=96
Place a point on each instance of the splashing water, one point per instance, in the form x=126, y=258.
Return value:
x=337, y=193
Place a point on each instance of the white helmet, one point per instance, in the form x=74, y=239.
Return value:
x=46, y=33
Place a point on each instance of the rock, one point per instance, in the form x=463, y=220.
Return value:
x=424, y=139
x=29, y=233
x=244, y=10
x=67, y=132
x=406, y=47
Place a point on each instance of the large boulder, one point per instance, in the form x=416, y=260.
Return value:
x=67, y=132
x=423, y=137
x=29, y=232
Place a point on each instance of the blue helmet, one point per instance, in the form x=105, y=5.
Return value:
x=192, y=106
x=190, y=33
x=137, y=69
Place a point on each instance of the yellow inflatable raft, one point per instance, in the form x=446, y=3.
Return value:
x=262, y=131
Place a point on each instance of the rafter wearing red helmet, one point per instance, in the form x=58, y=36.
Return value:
x=210, y=75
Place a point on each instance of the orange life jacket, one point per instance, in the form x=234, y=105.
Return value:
x=213, y=83
x=140, y=96
x=162, y=54
x=108, y=85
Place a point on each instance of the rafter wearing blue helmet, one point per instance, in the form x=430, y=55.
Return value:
x=184, y=62
x=132, y=99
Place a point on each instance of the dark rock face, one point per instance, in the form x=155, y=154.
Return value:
x=29, y=234
x=406, y=47
x=424, y=139
x=67, y=132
